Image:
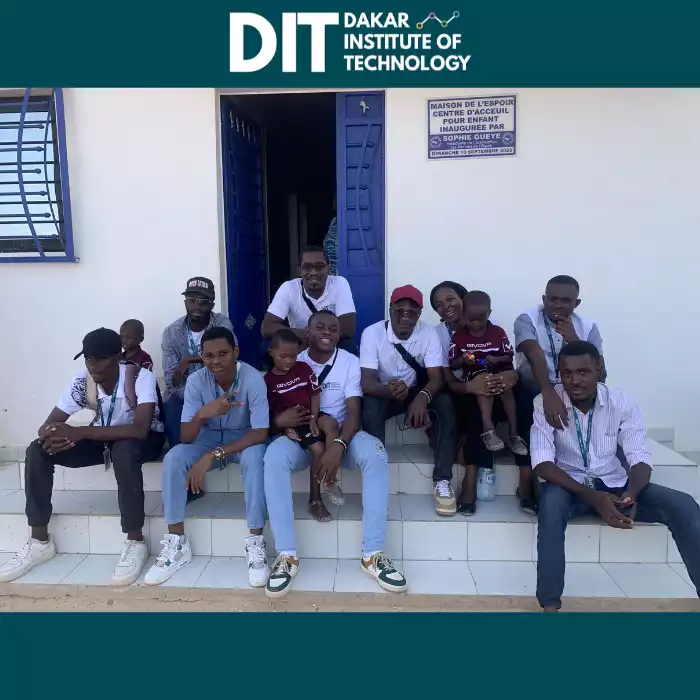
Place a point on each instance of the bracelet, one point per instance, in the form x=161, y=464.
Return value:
x=219, y=453
x=342, y=442
x=427, y=393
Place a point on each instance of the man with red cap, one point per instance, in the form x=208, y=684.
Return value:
x=401, y=361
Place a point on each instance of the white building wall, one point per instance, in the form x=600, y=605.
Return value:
x=605, y=187
x=144, y=192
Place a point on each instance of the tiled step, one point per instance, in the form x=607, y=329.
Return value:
x=410, y=471
x=623, y=580
x=87, y=522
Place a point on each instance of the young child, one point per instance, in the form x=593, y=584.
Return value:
x=482, y=347
x=131, y=334
x=291, y=384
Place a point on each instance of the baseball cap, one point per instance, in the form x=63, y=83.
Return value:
x=408, y=291
x=100, y=344
x=202, y=286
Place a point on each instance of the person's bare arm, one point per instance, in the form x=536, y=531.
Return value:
x=417, y=412
x=532, y=350
x=138, y=430
x=347, y=325
x=371, y=386
x=255, y=436
x=271, y=324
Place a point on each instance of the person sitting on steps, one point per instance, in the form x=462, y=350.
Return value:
x=125, y=432
x=292, y=384
x=582, y=473
x=314, y=290
x=401, y=362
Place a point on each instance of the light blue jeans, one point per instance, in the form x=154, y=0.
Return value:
x=284, y=456
x=181, y=459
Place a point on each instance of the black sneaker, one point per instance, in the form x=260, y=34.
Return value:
x=466, y=508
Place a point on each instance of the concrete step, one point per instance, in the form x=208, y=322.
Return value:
x=410, y=471
x=87, y=522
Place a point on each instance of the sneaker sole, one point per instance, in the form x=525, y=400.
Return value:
x=130, y=579
x=255, y=584
x=446, y=510
x=159, y=583
x=385, y=586
x=282, y=592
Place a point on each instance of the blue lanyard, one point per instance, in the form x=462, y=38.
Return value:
x=111, y=407
x=194, y=350
x=232, y=389
x=584, y=448
x=555, y=356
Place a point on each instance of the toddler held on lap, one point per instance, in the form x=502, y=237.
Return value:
x=480, y=347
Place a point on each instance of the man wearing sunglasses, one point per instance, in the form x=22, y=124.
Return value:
x=401, y=361
x=181, y=348
x=314, y=290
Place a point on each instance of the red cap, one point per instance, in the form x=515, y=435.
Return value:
x=408, y=291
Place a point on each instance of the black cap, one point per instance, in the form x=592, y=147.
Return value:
x=202, y=286
x=100, y=344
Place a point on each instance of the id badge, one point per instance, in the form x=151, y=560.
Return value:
x=589, y=482
x=107, y=456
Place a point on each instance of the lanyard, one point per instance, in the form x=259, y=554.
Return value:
x=232, y=389
x=111, y=407
x=555, y=356
x=584, y=448
x=194, y=350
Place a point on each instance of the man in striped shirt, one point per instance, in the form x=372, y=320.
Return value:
x=582, y=472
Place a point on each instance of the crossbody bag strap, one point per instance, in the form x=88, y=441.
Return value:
x=407, y=357
x=327, y=369
x=306, y=299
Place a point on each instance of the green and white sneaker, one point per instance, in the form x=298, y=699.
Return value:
x=284, y=570
x=380, y=568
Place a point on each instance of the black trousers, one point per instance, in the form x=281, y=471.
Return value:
x=470, y=425
x=128, y=457
x=441, y=433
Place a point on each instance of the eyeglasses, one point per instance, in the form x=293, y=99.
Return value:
x=198, y=301
x=313, y=267
x=408, y=313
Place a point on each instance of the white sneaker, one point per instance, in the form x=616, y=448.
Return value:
x=256, y=554
x=283, y=571
x=32, y=554
x=445, y=501
x=380, y=568
x=131, y=561
x=175, y=554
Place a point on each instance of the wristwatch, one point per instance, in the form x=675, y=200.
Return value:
x=219, y=453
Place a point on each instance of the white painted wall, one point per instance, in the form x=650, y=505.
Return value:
x=144, y=190
x=605, y=187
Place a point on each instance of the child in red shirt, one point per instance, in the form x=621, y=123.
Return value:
x=131, y=334
x=292, y=384
x=481, y=347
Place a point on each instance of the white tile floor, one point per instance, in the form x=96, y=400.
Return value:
x=499, y=578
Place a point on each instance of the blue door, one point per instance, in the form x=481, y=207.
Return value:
x=244, y=226
x=360, y=177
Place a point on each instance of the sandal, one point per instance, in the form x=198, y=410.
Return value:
x=527, y=505
x=334, y=493
x=517, y=445
x=491, y=441
x=317, y=509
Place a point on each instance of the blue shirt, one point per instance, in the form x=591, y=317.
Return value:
x=201, y=389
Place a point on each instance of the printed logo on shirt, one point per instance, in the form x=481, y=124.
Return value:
x=332, y=386
x=328, y=307
x=314, y=382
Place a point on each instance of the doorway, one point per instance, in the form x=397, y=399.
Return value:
x=287, y=158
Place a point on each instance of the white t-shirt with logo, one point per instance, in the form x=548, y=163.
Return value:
x=377, y=351
x=289, y=303
x=74, y=398
x=341, y=383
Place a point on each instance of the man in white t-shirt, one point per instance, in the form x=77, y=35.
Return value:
x=314, y=290
x=339, y=375
x=402, y=361
x=125, y=432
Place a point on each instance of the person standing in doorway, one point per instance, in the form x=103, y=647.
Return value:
x=181, y=348
x=124, y=433
x=314, y=290
x=330, y=242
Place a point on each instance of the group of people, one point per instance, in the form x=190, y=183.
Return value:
x=324, y=404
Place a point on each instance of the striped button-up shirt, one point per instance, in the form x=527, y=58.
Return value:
x=176, y=345
x=617, y=420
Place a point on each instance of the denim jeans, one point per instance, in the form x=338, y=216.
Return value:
x=181, y=458
x=172, y=419
x=655, y=504
x=366, y=453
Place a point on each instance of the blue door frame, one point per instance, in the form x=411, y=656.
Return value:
x=361, y=201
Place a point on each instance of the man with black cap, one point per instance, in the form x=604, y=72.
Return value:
x=125, y=432
x=181, y=348
x=401, y=361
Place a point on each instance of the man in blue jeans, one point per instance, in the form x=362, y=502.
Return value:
x=225, y=419
x=181, y=348
x=582, y=472
x=338, y=373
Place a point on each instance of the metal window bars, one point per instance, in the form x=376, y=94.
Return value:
x=35, y=214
